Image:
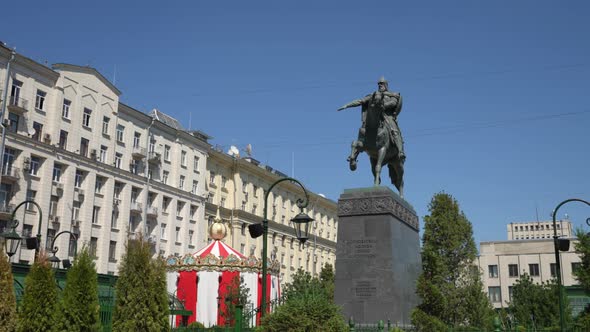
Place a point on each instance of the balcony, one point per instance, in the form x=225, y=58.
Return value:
x=18, y=105
x=154, y=157
x=135, y=207
x=10, y=174
x=138, y=152
x=6, y=209
x=152, y=211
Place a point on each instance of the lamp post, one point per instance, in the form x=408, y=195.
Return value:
x=11, y=239
x=561, y=244
x=301, y=225
x=54, y=249
x=38, y=239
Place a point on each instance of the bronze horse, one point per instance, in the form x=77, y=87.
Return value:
x=379, y=135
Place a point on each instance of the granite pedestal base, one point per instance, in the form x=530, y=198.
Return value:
x=377, y=256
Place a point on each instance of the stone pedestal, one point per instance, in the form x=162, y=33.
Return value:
x=377, y=256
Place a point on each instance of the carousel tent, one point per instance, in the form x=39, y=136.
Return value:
x=207, y=280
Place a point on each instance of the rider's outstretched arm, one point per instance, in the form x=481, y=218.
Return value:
x=354, y=103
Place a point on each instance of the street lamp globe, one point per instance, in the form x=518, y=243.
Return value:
x=54, y=261
x=301, y=223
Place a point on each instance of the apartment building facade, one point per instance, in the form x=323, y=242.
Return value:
x=529, y=250
x=97, y=167
x=236, y=185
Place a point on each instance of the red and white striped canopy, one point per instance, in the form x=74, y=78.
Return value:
x=218, y=249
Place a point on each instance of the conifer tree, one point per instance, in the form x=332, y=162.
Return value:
x=39, y=304
x=79, y=307
x=450, y=285
x=7, y=299
x=142, y=299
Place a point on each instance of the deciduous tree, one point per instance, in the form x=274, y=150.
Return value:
x=450, y=285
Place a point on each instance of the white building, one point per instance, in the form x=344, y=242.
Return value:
x=97, y=167
x=503, y=262
x=538, y=230
x=238, y=184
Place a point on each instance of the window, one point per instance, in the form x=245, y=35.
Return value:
x=193, y=211
x=112, y=251
x=105, y=125
x=118, y=189
x=118, y=159
x=57, y=172
x=167, y=152
x=223, y=181
x=195, y=187
x=31, y=197
x=40, y=99
x=243, y=230
x=190, y=236
x=183, y=158
x=576, y=266
x=63, y=139
x=534, y=270
x=152, y=146
x=254, y=208
x=86, y=117
x=255, y=190
x=196, y=164
x=210, y=197
x=495, y=294
x=510, y=292
x=65, y=109
x=179, y=207
x=114, y=218
x=76, y=210
x=38, y=131
x=513, y=270
x=222, y=202
x=95, y=214
x=165, y=175
x=99, y=184
x=93, y=246
x=84, y=144
x=134, y=166
x=163, y=231
x=103, y=154
x=136, y=139
x=553, y=268
x=120, y=133
x=79, y=179
x=181, y=182
x=53, y=205
x=35, y=163
x=177, y=235
x=13, y=122
x=244, y=205
x=212, y=178
x=165, y=204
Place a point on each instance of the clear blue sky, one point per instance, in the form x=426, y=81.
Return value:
x=496, y=107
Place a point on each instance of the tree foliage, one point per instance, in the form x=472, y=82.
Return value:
x=327, y=279
x=308, y=307
x=142, y=299
x=79, y=307
x=39, y=304
x=237, y=293
x=583, y=274
x=7, y=299
x=535, y=305
x=450, y=284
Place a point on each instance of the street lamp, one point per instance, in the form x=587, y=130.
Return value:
x=53, y=259
x=563, y=245
x=301, y=225
x=32, y=243
x=11, y=239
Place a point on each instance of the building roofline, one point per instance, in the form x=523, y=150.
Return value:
x=29, y=63
x=87, y=70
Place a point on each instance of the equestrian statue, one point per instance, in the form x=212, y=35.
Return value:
x=379, y=135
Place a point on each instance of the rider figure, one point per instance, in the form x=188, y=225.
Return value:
x=390, y=105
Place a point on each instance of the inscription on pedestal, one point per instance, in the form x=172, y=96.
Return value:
x=365, y=289
x=363, y=247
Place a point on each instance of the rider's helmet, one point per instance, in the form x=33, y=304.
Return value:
x=383, y=81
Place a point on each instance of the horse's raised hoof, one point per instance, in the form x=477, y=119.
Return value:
x=352, y=164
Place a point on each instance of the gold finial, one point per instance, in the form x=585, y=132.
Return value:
x=217, y=230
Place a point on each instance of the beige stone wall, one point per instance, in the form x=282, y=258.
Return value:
x=522, y=254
